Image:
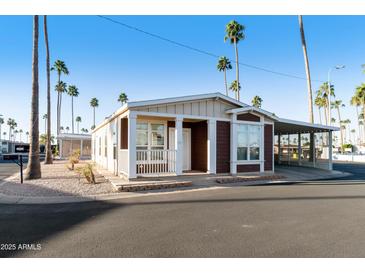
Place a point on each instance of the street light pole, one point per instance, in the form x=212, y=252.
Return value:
x=329, y=92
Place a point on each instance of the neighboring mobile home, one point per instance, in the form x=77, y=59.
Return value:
x=210, y=133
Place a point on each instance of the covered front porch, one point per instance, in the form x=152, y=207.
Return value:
x=163, y=145
x=303, y=144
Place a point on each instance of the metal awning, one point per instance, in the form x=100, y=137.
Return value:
x=286, y=126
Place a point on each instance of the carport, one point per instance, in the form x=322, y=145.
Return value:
x=303, y=144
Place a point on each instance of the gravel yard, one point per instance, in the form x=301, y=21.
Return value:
x=57, y=180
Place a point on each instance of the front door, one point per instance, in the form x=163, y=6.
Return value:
x=186, y=146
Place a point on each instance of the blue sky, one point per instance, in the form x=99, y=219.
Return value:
x=105, y=59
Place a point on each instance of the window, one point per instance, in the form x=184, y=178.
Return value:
x=248, y=142
x=150, y=136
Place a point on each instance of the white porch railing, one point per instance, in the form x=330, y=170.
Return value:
x=156, y=162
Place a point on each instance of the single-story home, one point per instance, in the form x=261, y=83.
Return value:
x=208, y=133
x=69, y=142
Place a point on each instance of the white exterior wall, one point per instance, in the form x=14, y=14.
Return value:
x=206, y=108
x=107, y=161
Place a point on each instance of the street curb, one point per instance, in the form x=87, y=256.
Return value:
x=30, y=200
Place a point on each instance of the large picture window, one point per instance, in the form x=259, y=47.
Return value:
x=248, y=142
x=150, y=136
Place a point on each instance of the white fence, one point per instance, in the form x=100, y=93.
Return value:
x=156, y=162
x=349, y=157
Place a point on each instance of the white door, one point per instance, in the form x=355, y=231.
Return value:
x=186, y=146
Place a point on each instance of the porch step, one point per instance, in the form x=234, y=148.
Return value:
x=247, y=179
x=131, y=187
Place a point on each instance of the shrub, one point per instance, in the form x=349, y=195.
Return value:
x=88, y=172
x=74, y=158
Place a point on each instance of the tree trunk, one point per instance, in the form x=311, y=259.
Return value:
x=33, y=170
x=325, y=114
x=225, y=82
x=72, y=113
x=48, y=159
x=58, y=105
x=307, y=71
x=358, y=125
x=237, y=70
x=320, y=115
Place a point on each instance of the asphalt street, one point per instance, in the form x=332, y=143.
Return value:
x=315, y=219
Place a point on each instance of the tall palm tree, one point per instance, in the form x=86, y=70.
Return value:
x=356, y=102
x=61, y=68
x=45, y=117
x=4, y=134
x=223, y=65
x=94, y=103
x=12, y=124
x=257, y=101
x=123, y=98
x=78, y=121
x=20, y=135
x=33, y=170
x=67, y=129
x=61, y=129
x=323, y=92
x=320, y=103
x=337, y=104
x=72, y=91
x=15, y=134
x=235, y=87
x=307, y=70
x=347, y=123
x=1, y=123
x=360, y=94
x=27, y=134
x=48, y=160
x=234, y=33
x=353, y=131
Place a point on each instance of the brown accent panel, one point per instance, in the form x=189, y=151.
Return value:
x=199, y=146
x=248, y=117
x=124, y=133
x=248, y=168
x=268, y=146
x=223, y=147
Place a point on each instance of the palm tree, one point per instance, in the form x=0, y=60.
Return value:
x=1, y=123
x=33, y=170
x=20, y=135
x=307, y=70
x=234, y=33
x=15, y=134
x=355, y=101
x=123, y=98
x=27, y=134
x=323, y=92
x=353, y=131
x=12, y=124
x=337, y=104
x=48, y=160
x=347, y=123
x=61, y=68
x=84, y=130
x=4, y=133
x=61, y=129
x=94, y=103
x=223, y=65
x=235, y=87
x=45, y=116
x=360, y=94
x=67, y=129
x=78, y=121
x=320, y=103
x=256, y=101
x=73, y=91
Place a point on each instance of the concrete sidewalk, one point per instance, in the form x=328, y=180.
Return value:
x=199, y=183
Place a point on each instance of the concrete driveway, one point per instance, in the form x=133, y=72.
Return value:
x=8, y=169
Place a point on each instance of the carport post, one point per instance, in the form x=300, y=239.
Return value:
x=312, y=149
x=279, y=149
x=299, y=150
x=330, y=150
